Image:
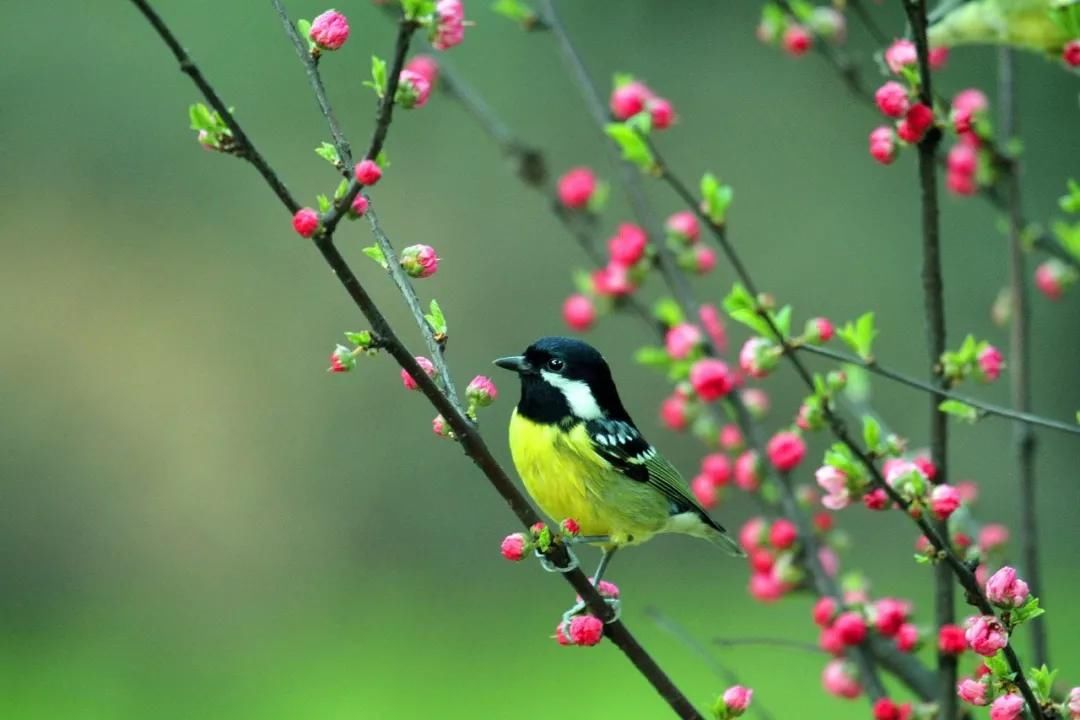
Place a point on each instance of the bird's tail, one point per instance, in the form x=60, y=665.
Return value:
x=729, y=544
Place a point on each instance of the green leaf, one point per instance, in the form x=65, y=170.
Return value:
x=621, y=79
x=1071, y=203
x=360, y=339
x=382, y=160
x=202, y=118
x=871, y=431
x=514, y=10
x=716, y=198
x=742, y=307
x=1028, y=611
x=668, y=312
x=1043, y=678
x=304, y=28
x=436, y=319
x=859, y=335
x=415, y=9
x=651, y=356
x=342, y=190
x=782, y=320
x=641, y=122
x=378, y=76
x=328, y=153
x=959, y=410
x=324, y=203
x=858, y=383
x=998, y=665
x=375, y=253
x=599, y=198
x=922, y=559
x=633, y=146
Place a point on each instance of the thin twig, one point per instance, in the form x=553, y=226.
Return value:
x=768, y=642
x=471, y=441
x=868, y=22
x=1020, y=353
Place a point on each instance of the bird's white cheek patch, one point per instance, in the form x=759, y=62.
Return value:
x=578, y=395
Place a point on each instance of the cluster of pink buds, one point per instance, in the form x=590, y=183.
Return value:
x=772, y=549
x=683, y=231
x=886, y=709
x=539, y=537
x=898, y=101
x=969, y=108
x=630, y=97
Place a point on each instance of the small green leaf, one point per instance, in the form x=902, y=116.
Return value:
x=716, y=198
x=782, y=320
x=360, y=339
x=871, y=432
x=1028, y=611
x=328, y=153
x=375, y=253
x=1071, y=203
x=304, y=28
x=382, y=160
x=651, y=356
x=998, y=665
x=859, y=335
x=959, y=410
x=599, y=198
x=1043, y=678
x=633, y=146
x=201, y=118
x=342, y=190
x=641, y=122
x=621, y=79
x=436, y=319
x=742, y=307
x=324, y=203
x=514, y=10
x=415, y=9
x=378, y=76
x=921, y=559
x=668, y=312
x=858, y=383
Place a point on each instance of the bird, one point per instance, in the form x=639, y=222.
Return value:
x=581, y=456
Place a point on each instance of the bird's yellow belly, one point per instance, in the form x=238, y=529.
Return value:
x=568, y=480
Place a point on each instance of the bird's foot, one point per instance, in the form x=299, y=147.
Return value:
x=580, y=539
x=552, y=567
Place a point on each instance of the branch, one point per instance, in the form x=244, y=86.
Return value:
x=469, y=437
x=983, y=407
x=1020, y=352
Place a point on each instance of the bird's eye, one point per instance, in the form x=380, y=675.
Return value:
x=555, y=364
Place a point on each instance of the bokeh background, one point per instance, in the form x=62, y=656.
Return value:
x=199, y=521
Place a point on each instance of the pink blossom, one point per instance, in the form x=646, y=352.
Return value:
x=902, y=474
x=876, y=499
x=629, y=99
x=820, y=329
x=991, y=361
x=513, y=547
x=886, y=709
x=889, y=615
x=681, y=340
x=705, y=491
x=834, y=482
x=449, y=27
x=824, y=611
x=851, y=627
x=985, y=635
x=329, y=30
x=408, y=381
x=962, y=159
x=766, y=587
x=916, y=122
x=718, y=467
x=971, y=691
x=359, y=206
x=413, y=90
x=440, y=427
x=757, y=357
x=1073, y=704
x=560, y=636
x=704, y=259
x=762, y=560
x=684, y=225
x=829, y=640
x=823, y=522
x=892, y=99
x=731, y=437
x=628, y=244
x=830, y=563
x=972, y=100
x=748, y=471
x=993, y=537
x=883, y=145
x=575, y=187
x=711, y=379
x=782, y=534
x=425, y=66
x=661, y=112
x=839, y=679
x=674, y=412
x=907, y=637
x=755, y=399
x=367, y=172
x=586, y=630
x=1071, y=53
x=305, y=222
x=578, y=312
x=737, y=699
x=570, y=526
x=1005, y=589
x=944, y=499
x=797, y=40
x=951, y=640
x=481, y=391
x=926, y=465
x=786, y=450
x=613, y=280
x=1007, y=707
x=341, y=360
x=1048, y=278
x=900, y=54
x=713, y=323
x=962, y=184
x=937, y=57
x=753, y=533
x=419, y=261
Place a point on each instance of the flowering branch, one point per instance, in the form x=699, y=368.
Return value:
x=1020, y=352
x=464, y=429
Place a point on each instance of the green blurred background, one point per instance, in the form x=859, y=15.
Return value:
x=201, y=522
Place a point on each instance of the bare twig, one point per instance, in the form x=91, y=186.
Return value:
x=466, y=432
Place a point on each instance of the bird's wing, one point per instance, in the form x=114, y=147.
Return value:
x=622, y=445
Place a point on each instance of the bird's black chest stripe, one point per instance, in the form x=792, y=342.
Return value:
x=621, y=444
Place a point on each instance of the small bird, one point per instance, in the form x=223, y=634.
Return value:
x=581, y=456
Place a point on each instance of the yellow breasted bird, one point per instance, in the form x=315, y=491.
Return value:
x=581, y=456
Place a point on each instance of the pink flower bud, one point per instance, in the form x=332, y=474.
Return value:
x=737, y=699
x=1071, y=53
x=586, y=630
x=481, y=391
x=886, y=709
x=367, y=172
x=661, y=112
x=359, y=206
x=704, y=259
x=786, y=450
x=1005, y=589
x=713, y=323
x=629, y=99
x=718, y=468
x=408, y=381
x=612, y=280
x=819, y=330
x=830, y=563
x=753, y=533
x=883, y=145
x=761, y=560
x=575, y=187
x=560, y=636
x=711, y=379
x=971, y=691
x=748, y=471
x=892, y=99
x=305, y=222
x=824, y=611
x=907, y=637
x=889, y=615
x=570, y=526
x=823, y=522
x=628, y=244
x=766, y=587
x=972, y=100
x=830, y=642
x=1049, y=278
x=419, y=261
x=962, y=159
x=951, y=640
x=674, y=412
x=851, y=628
x=731, y=437
x=991, y=361
x=448, y=29
x=425, y=66
x=834, y=482
x=756, y=401
x=985, y=635
x=944, y=499
x=993, y=537
x=839, y=678
x=962, y=184
x=684, y=226
x=705, y=491
x=1073, y=704
x=682, y=340
x=513, y=547
x=900, y=55
x=783, y=534
x=578, y=312
x=1007, y=707
x=330, y=30
x=797, y=40
x=758, y=357
x=916, y=122
x=937, y=57
x=440, y=427
x=342, y=360
x=875, y=499
x=413, y=90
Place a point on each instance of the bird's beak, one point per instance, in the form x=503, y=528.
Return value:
x=515, y=363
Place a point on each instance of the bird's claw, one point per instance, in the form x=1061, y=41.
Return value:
x=552, y=567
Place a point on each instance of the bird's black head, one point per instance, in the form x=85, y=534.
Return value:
x=564, y=380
